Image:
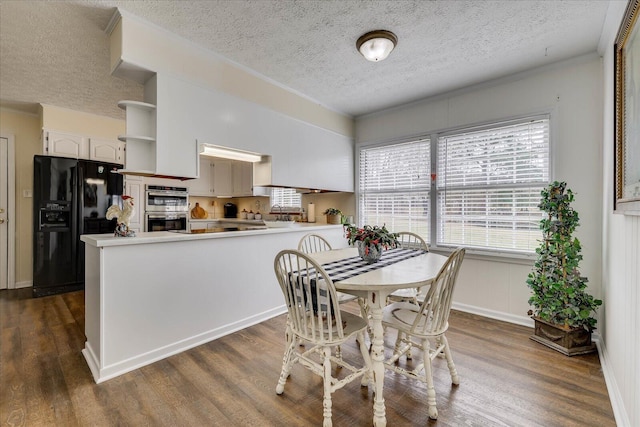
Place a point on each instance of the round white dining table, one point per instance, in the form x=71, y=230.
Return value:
x=375, y=286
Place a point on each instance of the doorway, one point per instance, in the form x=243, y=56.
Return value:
x=7, y=213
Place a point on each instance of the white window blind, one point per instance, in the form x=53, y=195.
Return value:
x=394, y=187
x=288, y=199
x=489, y=183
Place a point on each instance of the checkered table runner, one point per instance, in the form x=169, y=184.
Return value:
x=350, y=267
x=342, y=270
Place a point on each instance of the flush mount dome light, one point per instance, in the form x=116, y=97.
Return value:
x=376, y=45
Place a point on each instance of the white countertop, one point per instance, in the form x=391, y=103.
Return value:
x=105, y=240
x=234, y=220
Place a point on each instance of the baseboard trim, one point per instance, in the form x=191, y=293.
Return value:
x=617, y=403
x=102, y=372
x=492, y=314
x=25, y=284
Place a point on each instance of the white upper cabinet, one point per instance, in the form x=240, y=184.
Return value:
x=195, y=102
x=203, y=185
x=106, y=150
x=161, y=139
x=217, y=179
x=82, y=147
x=242, y=179
x=214, y=179
x=222, y=178
x=140, y=136
x=301, y=155
x=64, y=145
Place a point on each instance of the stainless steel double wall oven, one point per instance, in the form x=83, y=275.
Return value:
x=166, y=208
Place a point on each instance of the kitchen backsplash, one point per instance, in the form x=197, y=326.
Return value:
x=215, y=206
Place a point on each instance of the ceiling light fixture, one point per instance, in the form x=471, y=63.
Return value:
x=229, y=153
x=376, y=45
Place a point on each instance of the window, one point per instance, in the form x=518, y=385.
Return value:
x=287, y=198
x=486, y=190
x=395, y=186
x=489, y=184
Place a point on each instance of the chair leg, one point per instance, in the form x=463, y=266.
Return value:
x=338, y=352
x=286, y=361
x=326, y=402
x=452, y=367
x=431, y=391
x=367, y=378
x=364, y=313
x=398, y=344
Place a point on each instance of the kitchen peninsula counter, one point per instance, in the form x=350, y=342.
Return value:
x=105, y=240
x=157, y=294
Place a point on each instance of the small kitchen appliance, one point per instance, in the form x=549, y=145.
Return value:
x=230, y=210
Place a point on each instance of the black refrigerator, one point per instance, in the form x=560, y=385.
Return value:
x=70, y=198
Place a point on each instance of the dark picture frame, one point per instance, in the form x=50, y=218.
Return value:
x=627, y=113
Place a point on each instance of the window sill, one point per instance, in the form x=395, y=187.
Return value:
x=493, y=256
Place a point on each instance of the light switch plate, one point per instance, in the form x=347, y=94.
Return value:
x=26, y=193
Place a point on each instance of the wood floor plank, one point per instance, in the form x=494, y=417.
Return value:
x=506, y=379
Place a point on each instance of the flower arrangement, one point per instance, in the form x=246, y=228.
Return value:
x=379, y=237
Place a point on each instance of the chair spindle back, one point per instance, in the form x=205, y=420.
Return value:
x=311, y=243
x=437, y=303
x=310, y=295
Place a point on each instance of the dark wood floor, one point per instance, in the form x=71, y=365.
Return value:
x=506, y=379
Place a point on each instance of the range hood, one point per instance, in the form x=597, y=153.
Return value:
x=267, y=174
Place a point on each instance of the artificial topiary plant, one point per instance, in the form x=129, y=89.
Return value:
x=559, y=295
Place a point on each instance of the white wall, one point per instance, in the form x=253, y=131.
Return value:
x=572, y=92
x=620, y=318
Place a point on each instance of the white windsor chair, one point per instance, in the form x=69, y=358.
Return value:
x=311, y=243
x=408, y=240
x=417, y=325
x=314, y=318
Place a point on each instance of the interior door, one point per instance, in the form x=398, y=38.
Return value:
x=4, y=207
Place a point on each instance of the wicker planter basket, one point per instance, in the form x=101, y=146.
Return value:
x=334, y=219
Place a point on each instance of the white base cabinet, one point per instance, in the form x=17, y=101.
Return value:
x=199, y=288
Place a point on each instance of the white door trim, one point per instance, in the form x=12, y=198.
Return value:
x=11, y=211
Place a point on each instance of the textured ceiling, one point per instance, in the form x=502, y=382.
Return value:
x=56, y=52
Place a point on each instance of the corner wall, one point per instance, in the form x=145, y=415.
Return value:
x=571, y=91
x=26, y=130
x=620, y=317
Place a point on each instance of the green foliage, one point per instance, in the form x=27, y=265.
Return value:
x=333, y=211
x=559, y=295
x=372, y=235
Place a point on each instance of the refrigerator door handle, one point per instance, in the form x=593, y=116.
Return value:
x=78, y=198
